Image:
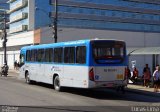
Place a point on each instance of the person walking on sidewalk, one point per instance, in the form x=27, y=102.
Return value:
x=135, y=75
x=15, y=65
x=156, y=78
x=145, y=68
x=146, y=77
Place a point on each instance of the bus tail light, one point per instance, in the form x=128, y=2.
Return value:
x=91, y=75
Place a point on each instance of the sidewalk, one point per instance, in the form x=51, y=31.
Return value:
x=12, y=72
x=139, y=89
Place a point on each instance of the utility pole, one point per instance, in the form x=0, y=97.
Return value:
x=5, y=39
x=4, y=70
x=55, y=21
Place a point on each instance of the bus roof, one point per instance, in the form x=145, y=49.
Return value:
x=68, y=43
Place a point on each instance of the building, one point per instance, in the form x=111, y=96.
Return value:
x=26, y=17
x=135, y=21
x=3, y=6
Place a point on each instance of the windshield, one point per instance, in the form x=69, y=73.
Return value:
x=108, y=52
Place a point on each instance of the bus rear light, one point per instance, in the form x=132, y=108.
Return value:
x=91, y=75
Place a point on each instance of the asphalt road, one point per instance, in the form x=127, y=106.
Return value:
x=42, y=98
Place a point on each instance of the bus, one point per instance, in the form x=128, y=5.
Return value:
x=89, y=63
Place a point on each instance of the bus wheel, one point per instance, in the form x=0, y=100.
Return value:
x=28, y=81
x=57, y=86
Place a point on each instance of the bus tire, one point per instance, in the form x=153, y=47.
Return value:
x=57, y=86
x=28, y=81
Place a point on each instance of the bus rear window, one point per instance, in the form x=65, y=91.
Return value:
x=108, y=52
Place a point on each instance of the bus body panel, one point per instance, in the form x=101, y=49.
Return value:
x=109, y=73
x=79, y=75
x=22, y=72
x=49, y=73
x=39, y=74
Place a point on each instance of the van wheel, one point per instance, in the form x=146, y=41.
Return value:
x=28, y=81
x=57, y=86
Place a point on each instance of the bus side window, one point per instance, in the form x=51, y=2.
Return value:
x=35, y=55
x=81, y=54
x=69, y=56
x=32, y=55
x=28, y=56
x=58, y=54
x=40, y=57
x=49, y=55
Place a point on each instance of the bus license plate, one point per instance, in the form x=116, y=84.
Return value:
x=119, y=76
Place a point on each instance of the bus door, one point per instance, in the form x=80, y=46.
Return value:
x=22, y=64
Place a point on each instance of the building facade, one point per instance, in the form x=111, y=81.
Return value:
x=24, y=26
x=3, y=6
x=135, y=21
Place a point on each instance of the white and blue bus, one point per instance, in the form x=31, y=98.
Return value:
x=81, y=64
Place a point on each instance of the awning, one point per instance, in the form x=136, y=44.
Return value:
x=143, y=51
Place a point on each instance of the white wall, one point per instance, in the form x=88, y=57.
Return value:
x=11, y=57
x=133, y=39
x=21, y=39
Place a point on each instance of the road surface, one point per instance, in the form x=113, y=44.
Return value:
x=15, y=92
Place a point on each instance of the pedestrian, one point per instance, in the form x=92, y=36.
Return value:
x=127, y=73
x=135, y=75
x=15, y=64
x=146, y=67
x=156, y=78
x=146, y=77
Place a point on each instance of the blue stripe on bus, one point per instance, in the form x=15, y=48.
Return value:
x=56, y=63
x=63, y=64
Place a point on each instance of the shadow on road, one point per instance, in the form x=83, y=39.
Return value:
x=107, y=94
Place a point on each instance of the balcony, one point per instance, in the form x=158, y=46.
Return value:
x=18, y=17
x=18, y=6
x=10, y=1
x=19, y=29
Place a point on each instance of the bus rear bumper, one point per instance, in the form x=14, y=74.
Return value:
x=115, y=83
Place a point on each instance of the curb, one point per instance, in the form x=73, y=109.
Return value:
x=143, y=92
